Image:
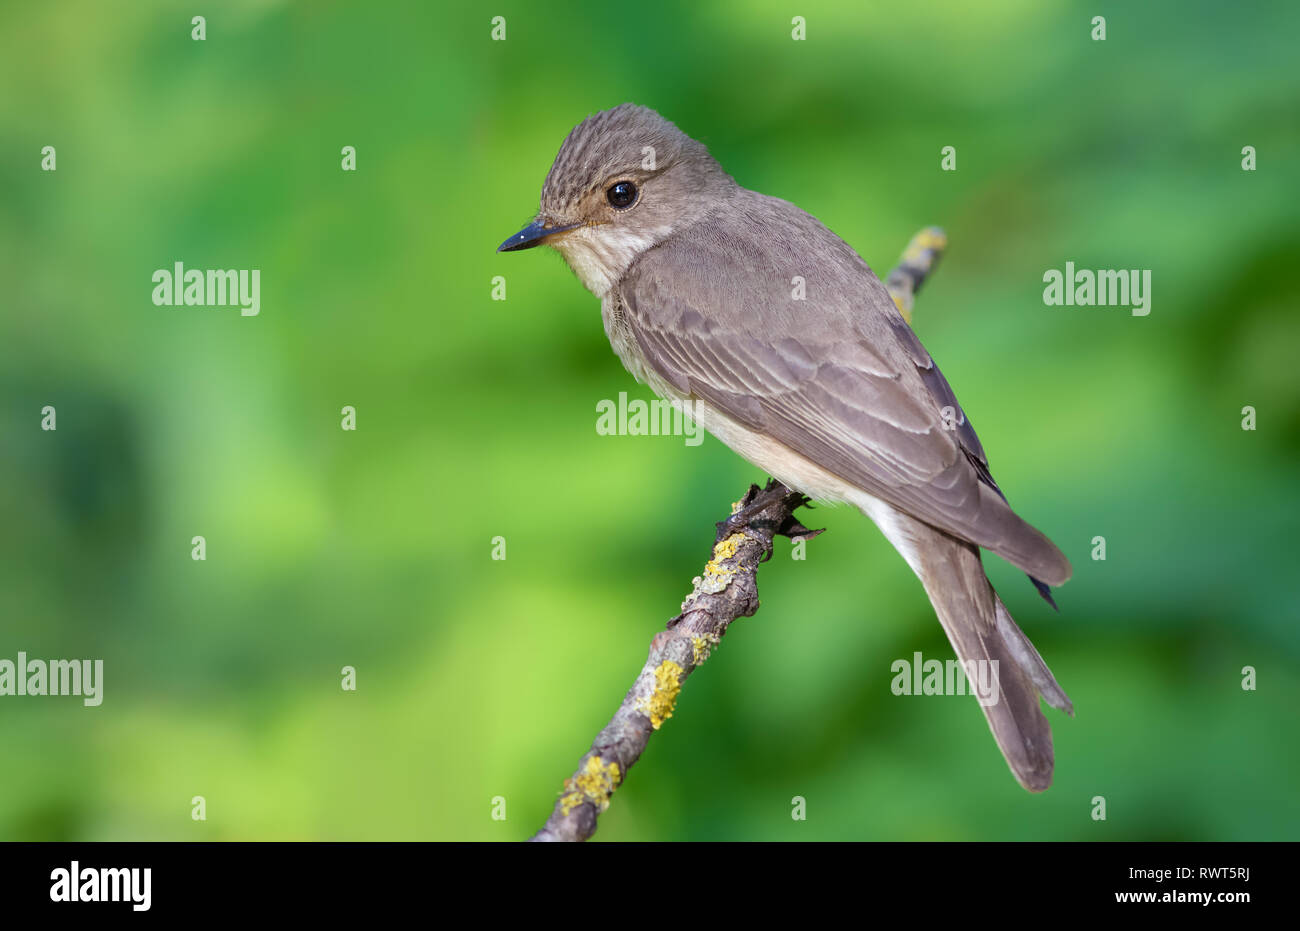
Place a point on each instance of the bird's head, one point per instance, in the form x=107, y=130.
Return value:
x=624, y=180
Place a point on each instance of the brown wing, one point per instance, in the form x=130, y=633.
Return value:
x=838, y=377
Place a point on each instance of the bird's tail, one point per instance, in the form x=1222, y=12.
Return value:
x=982, y=632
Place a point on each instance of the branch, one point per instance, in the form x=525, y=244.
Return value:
x=728, y=589
x=917, y=262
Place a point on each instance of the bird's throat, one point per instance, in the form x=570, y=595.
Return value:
x=601, y=255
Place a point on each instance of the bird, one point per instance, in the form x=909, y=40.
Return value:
x=779, y=339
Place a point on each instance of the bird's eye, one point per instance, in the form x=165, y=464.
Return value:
x=621, y=195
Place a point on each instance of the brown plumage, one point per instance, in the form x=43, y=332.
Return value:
x=821, y=384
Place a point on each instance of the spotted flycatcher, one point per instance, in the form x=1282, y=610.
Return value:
x=770, y=330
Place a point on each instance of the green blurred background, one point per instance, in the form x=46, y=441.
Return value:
x=476, y=418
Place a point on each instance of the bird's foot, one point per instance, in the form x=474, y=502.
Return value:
x=766, y=513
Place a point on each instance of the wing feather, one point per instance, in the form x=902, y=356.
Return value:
x=839, y=378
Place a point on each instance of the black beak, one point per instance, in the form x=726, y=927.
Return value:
x=534, y=234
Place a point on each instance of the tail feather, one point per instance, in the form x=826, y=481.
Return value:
x=1028, y=659
x=980, y=628
x=1046, y=591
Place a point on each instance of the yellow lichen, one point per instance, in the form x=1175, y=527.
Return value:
x=659, y=706
x=717, y=577
x=929, y=238
x=595, y=784
x=701, y=647
x=725, y=549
